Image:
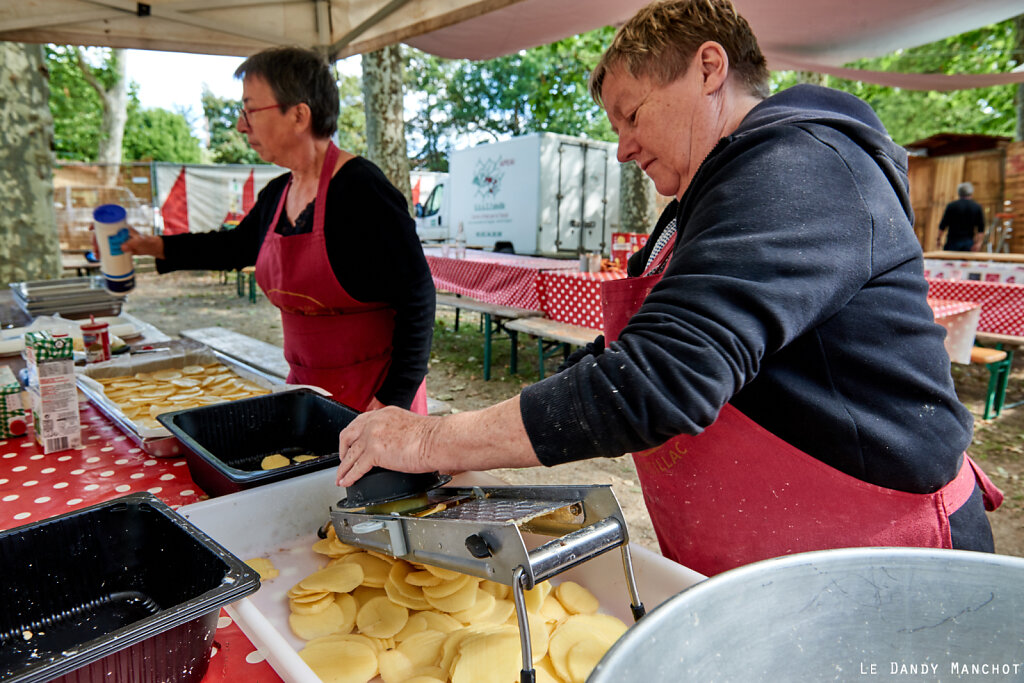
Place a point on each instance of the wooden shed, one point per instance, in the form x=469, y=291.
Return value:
x=938, y=164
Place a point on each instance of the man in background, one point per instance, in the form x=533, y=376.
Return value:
x=965, y=220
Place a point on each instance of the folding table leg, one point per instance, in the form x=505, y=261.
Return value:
x=513, y=361
x=547, y=349
x=487, y=346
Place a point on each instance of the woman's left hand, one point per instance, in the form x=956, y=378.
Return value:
x=390, y=437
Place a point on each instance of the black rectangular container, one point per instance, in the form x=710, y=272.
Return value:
x=125, y=591
x=226, y=442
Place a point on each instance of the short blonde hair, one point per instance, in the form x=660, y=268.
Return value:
x=661, y=39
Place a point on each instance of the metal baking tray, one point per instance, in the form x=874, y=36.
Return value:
x=66, y=296
x=165, y=445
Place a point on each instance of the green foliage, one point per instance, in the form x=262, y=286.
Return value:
x=543, y=89
x=159, y=135
x=150, y=134
x=75, y=106
x=352, y=118
x=227, y=144
x=911, y=115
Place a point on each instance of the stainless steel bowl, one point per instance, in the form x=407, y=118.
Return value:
x=857, y=613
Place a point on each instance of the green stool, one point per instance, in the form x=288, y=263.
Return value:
x=240, y=282
x=998, y=361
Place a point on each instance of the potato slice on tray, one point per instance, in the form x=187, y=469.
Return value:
x=309, y=626
x=341, y=661
x=381, y=618
x=340, y=578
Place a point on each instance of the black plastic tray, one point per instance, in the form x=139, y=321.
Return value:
x=226, y=442
x=119, y=592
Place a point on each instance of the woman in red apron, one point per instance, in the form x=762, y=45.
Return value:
x=333, y=244
x=773, y=366
x=737, y=481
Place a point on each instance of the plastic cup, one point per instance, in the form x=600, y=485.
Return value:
x=111, y=232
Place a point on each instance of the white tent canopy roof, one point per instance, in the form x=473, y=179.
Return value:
x=803, y=34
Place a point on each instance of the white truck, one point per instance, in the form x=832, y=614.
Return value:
x=543, y=194
x=428, y=193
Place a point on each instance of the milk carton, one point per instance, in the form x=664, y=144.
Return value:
x=52, y=390
x=12, y=409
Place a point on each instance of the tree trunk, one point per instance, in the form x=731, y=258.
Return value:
x=114, y=101
x=29, y=248
x=638, y=209
x=385, y=122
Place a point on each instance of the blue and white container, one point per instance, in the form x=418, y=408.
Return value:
x=111, y=232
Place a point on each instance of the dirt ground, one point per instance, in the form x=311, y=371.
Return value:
x=181, y=301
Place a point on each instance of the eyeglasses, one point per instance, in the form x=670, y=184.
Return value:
x=243, y=113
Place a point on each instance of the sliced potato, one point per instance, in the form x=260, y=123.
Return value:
x=311, y=606
x=381, y=618
x=422, y=578
x=575, y=598
x=488, y=658
x=339, y=578
x=264, y=567
x=394, y=666
x=460, y=600
x=341, y=661
x=375, y=570
x=582, y=658
x=309, y=626
x=423, y=648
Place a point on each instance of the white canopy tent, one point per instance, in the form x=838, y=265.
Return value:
x=815, y=35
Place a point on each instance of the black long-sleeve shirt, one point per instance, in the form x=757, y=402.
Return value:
x=373, y=250
x=796, y=293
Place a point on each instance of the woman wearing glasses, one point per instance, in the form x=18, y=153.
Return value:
x=357, y=326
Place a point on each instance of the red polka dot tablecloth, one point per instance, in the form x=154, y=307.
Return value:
x=574, y=297
x=501, y=279
x=1002, y=304
x=35, y=486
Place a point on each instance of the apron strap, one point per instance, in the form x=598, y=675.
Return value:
x=663, y=255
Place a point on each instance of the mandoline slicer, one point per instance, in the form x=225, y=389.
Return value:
x=479, y=531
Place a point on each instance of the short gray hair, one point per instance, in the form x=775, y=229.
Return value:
x=965, y=190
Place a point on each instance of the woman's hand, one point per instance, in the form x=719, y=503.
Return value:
x=399, y=440
x=143, y=245
x=390, y=437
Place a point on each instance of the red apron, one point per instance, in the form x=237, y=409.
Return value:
x=331, y=340
x=736, y=493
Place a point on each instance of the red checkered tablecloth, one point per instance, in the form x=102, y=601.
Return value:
x=1002, y=304
x=574, y=297
x=501, y=279
x=35, y=486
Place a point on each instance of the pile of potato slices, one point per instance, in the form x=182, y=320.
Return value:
x=367, y=614
x=144, y=395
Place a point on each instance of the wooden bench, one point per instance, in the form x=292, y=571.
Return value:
x=551, y=335
x=79, y=264
x=995, y=351
x=494, y=323
x=265, y=357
